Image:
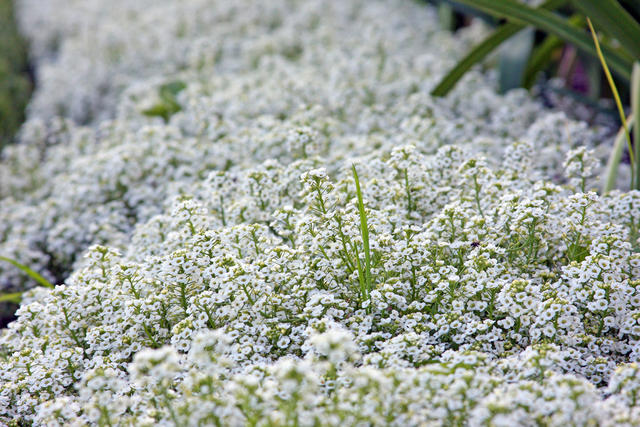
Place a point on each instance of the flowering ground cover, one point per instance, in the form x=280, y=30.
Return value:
x=256, y=215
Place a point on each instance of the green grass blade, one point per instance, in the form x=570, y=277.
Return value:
x=616, y=96
x=611, y=172
x=612, y=19
x=15, y=297
x=364, y=231
x=29, y=272
x=552, y=24
x=479, y=52
x=635, y=112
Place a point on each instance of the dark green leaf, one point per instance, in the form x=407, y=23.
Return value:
x=635, y=111
x=479, y=52
x=611, y=18
x=552, y=24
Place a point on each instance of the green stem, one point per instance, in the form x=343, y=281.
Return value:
x=364, y=231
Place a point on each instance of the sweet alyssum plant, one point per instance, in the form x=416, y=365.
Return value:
x=227, y=264
x=528, y=292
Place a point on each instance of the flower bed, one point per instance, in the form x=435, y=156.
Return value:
x=261, y=218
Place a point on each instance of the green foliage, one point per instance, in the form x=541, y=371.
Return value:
x=564, y=23
x=16, y=297
x=364, y=272
x=482, y=50
x=15, y=84
x=168, y=105
x=614, y=159
x=635, y=107
x=518, y=15
x=611, y=18
x=616, y=97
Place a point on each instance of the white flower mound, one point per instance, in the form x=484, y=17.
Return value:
x=226, y=280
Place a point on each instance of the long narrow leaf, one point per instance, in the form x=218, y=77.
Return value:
x=616, y=96
x=613, y=20
x=479, y=52
x=15, y=297
x=364, y=231
x=552, y=24
x=635, y=111
x=611, y=173
x=29, y=272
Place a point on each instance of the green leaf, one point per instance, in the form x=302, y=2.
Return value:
x=161, y=109
x=635, y=112
x=616, y=97
x=364, y=232
x=611, y=18
x=171, y=89
x=552, y=24
x=611, y=172
x=479, y=52
x=514, y=55
x=29, y=272
x=15, y=297
x=168, y=104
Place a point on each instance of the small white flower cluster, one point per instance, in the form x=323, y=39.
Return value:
x=225, y=253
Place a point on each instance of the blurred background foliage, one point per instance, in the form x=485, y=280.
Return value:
x=16, y=78
x=535, y=42
x=549, y=40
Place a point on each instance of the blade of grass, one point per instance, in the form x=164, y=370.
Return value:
x=15, y=297
x=361, y=276
x=29, y=272
x=552, y=24
x=611, y=172
x=616, y=96
x=635, y=112
x=364, y=232
x=479, y=52
x=613, y=20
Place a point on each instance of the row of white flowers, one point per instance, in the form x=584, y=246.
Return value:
x=199, y=154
